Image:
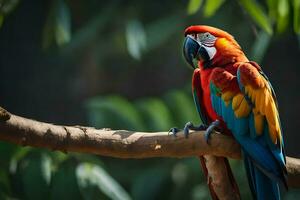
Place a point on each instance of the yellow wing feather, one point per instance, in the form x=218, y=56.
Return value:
x=227, y=96
x=239, y=104
x=236, y=101
x=258, y=121
x=243, y=110
x=257, y=90
x=265, y=107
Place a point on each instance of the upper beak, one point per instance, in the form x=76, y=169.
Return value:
x=190, y=50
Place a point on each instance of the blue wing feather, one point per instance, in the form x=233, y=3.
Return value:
x=261, y=162
x=277, y=151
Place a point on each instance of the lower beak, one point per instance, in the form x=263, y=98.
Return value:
x=190, y=50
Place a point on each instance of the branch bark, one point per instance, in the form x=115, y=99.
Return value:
x=113, y=143
x=122, y=143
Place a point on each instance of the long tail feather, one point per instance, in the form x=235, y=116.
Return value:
x=262, y=187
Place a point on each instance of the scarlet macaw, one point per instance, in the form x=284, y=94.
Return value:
x=233, y=94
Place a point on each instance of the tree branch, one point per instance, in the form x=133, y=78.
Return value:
x=122, y=143
x=113, y=143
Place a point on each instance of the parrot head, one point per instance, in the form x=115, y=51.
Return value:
x=206, y=46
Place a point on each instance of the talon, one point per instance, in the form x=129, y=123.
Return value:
x=190, y=126
x=210, y=129
x=186, y=131
x=174, y=131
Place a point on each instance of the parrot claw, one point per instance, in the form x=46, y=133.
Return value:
x=210, y=129
x=190, y=126
x=186, y=130
x=174, y=131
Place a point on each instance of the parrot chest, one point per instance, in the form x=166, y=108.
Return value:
x=207, y=103
x=204, y=77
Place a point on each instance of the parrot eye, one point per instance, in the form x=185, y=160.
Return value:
x=206, y=39
x=194, y=35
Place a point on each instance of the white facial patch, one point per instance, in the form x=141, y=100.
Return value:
x=211, y=51
x=207, y=41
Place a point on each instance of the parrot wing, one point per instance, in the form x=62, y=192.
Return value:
x=198, y=97
x=247, y=104
x=259, y=92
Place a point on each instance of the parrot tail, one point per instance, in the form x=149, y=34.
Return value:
x=262, y=187
x=220, y=162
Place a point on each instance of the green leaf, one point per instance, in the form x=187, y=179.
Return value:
x=91, y=29
x=35, y=170
x=135, y=38
x=156, y=115
x=63, y=23
x=272, y=9
x=4, y=182
x=155, y=179
x=283, y=15
x=58, y=157
x=260, y=46
x=93, y=159
x=64, y=182
x=193, y=6
x=7, y=6
x=258, y=15
x=92, y=179
x=114, y=112
x=211, y=7
x=7, y=152
x=155, y=40
x=19, y=154
x=58, y=25
x=1, y=20
x=48, y=29
x=296, y=6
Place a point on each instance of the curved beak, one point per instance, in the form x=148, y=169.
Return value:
x=190, y=50
x=194, y=51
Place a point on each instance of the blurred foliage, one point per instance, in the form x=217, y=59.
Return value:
x=278, y=15
x=123, y=60
x=58, y=24
x=6, y=7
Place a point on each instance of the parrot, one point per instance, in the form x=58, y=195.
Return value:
x=234, y=96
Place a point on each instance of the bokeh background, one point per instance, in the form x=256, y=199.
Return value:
x=119, y=64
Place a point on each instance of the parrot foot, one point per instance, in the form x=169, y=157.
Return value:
x=186, y=129
x=174, y=131
x=210, y=129
x=190, y=126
